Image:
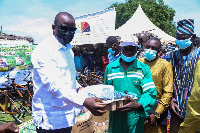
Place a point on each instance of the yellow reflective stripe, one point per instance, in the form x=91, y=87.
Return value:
x=136, y=76
x=136, y=73
x=112, y=74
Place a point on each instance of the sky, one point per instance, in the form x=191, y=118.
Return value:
x=35, y=17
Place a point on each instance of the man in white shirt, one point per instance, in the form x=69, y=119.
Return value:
x=55, y=99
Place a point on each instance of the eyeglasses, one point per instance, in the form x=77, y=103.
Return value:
x=66, y=29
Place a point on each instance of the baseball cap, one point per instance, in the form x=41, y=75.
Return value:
x=129, y=41
x=128, y=44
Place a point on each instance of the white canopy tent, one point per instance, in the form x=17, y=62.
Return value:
x=138, y=23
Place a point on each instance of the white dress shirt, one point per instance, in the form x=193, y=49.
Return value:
x=55, y=99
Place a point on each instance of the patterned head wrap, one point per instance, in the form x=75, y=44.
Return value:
x=185, y=26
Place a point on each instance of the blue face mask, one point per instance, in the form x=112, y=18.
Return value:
x=183, y=44
x=111, y=51
x=111, y=55
x=128, y=59
x=150, y=54
x=139, y=46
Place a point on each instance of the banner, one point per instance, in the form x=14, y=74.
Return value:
x=95, y=27
x=15, y=59
x=27, y=127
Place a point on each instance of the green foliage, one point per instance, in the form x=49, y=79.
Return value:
x=160, y=14
x=20, y=54
x=11, y=61
x=28, y=60
x=5, y=118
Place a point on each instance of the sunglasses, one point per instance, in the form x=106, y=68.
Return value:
x=66, y=29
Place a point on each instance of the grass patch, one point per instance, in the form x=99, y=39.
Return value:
x=5, y=118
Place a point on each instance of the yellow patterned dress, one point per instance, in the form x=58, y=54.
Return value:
x=162, y=75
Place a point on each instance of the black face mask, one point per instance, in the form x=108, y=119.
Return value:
x=65, y=37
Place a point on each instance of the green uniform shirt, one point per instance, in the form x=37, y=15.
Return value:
x=137, y=79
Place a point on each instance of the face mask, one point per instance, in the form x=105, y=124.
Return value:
x=111, y=57
x=91, y=52
x=183, y=44
x=111, y=51
x=139, y=46
x=150, y=54
x=128, y=59
x=65, y=37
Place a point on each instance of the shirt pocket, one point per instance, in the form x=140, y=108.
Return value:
x=136, y=82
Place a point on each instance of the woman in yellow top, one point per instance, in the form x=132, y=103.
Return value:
x=163, y=79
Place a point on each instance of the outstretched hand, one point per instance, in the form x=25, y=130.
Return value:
x=132, y=105
x=174, y=107
x=9, y=127
x=92, y=105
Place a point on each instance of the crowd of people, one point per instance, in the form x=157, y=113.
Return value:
x=96, y=58
x=156, y=55
x=164, y=78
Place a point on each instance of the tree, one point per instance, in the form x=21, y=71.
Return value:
x=160, y=14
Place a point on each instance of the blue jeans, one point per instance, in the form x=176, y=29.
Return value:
x=62, y=130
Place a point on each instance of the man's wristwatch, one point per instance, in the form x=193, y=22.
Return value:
x=157, y=115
